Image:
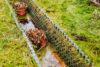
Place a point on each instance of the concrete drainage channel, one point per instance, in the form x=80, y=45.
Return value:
x=45, y=57
x=60, y=50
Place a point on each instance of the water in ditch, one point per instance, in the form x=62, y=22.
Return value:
x=47, y=55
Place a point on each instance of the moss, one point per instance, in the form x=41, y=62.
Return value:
x=14, y=51
x=80, y=18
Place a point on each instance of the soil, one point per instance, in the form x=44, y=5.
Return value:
x=96, y=2
x=77, y=37
x=81, y=38
x=48, y=10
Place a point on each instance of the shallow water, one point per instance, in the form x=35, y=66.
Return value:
x=28, y=26
x=49, y=60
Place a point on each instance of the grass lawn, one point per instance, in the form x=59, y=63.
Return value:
x=14, y=51
x=80, y=20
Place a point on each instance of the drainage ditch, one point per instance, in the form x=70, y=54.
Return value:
x=60, y=50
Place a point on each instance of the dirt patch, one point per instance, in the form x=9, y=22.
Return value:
x=96, y=2
x=50, y=10
x=77, y=37
x=81, y=38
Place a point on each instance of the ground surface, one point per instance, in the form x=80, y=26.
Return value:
x=80, y=20
x=14, y=51
x=76, y=17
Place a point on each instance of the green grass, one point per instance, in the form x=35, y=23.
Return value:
x=14, y=51
x=79, y=18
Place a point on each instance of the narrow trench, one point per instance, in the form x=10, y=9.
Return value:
x=47, y=55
